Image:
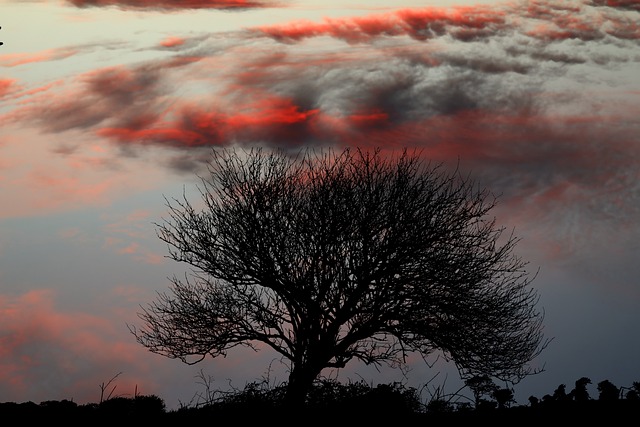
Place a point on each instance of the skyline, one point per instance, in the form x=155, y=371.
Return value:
x=538, y=101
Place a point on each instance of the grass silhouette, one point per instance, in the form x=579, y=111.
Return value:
x=331, y=401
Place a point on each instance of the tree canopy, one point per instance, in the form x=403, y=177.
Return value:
x=328, y=257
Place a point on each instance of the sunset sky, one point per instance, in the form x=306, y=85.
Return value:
x=108, y=106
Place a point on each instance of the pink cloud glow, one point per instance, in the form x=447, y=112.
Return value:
x=17, y=59
x=6, y=86
x=36, y=337
x=172, y=42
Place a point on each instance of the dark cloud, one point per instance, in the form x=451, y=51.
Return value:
x=541, y=53
x=618, y=4
x=491, y=100
x=114, y=94
x=173, y=5
x=187, y=163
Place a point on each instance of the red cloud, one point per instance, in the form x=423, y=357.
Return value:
x=271, y=118
x=464, y=23
x=557, y=21
x=173, y=4
x=6, y=86
x=15, y=59
x=172, y=42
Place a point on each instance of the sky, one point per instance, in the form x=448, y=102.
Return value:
x=108, y=106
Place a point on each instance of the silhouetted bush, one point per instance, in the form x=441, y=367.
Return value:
x=359, y=397
x=326, y=396
x=608, y=391
x=357, y=401
x=580, y=393
x=150, y=405
x=440, y=406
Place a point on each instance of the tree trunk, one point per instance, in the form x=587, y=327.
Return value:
x=300, y=382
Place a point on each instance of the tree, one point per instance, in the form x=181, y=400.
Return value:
x=481, y=386
x=560, y=393
x=580, y=392
x=608, y=391
x=328, y=257
x=634, y=391
x=504, y=397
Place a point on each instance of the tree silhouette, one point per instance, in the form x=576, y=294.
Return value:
x=504, y=397
x=480, y=385
x=634, y=392
x=328, y=257
x=560, y=393
x=580, y=392
x=608, y=391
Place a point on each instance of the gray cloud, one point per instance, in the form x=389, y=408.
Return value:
x=174, y=5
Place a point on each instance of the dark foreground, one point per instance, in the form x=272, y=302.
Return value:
x=150, y=409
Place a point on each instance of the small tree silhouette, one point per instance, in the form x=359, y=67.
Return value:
x=608, y=391
x=504, y=397
x=481, y=385
x=560, y=393
x=634, y=391
x=580, y=393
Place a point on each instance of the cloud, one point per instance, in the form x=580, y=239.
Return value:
x=68, y=354
x=270, y=94
x=462, y=23
x=619, y=4
x=68, y=171
x=170, y=42
x=110, y=93
x=129, y=235
x=273, y=118
x=544, y=20
x=17, y=59
x=527, y=95
x=49, y=352
x=15, y=91
x=6, y=87
x=173, y=5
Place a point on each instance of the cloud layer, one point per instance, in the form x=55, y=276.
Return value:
x=69, y=352
x=537, y=99
x=539, y=89
x=173, y=5
x=400, y=74
x=500, y=87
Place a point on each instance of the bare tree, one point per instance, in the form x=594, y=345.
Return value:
x=480, y=385
x=328, y=257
